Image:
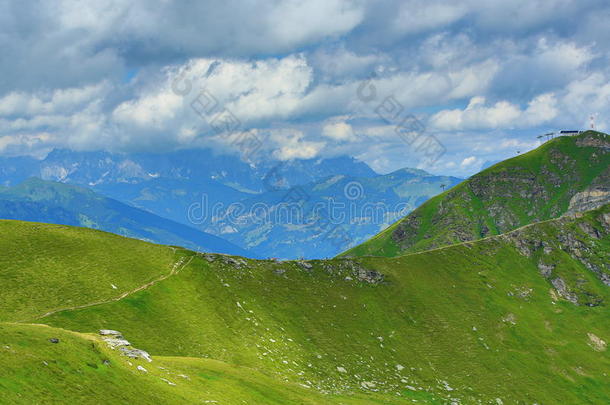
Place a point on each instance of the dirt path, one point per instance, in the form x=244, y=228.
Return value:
x=176, y=268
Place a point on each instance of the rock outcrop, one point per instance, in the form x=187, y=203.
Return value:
x=576, y=235
x=589, y=199
x=115, y=339
x=565, y=175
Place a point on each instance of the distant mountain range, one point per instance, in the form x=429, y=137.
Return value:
x=325, y=217
x=202, y=166
x=182, y=186
x=50, y=202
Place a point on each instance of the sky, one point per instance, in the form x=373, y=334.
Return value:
x=479, y=79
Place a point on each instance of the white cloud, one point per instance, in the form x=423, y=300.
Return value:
x=338, y=131
x=64, y=117
x=254, y=92
x=340, y=64
x=152, y=111
x=23, y=143
x=51, y=102
x=232, y=27
x=586, y=96
x=517, y=144
x=420, y=15
x=482, y=70
x=298, y=22
x=292, y=145
x=502, y=114
x=469, y=161
x=541, y=110
x=476, y=115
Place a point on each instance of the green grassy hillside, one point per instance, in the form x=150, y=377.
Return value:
x=518, y=318
x=532, y=187
x=81, y=369
x=49, y=267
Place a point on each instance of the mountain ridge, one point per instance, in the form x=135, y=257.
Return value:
x=44, y=201
x=528, y=188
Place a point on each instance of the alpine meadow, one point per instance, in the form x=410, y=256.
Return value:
x=319, y=202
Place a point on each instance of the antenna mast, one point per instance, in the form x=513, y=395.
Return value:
x=592, y=121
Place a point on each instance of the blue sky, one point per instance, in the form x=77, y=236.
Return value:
x=483, y=77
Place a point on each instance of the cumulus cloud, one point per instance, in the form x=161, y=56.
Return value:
x=292, y=145
x=252, y=92
x=338, y=130
x=22, y=104
x=546, y=67
x=115, y=73
x=478, y=114
x=469, y=161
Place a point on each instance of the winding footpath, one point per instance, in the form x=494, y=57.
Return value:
x=176, y=268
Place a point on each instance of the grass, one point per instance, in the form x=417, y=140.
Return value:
x=471, y=322
x=49, y=267
x=82, y=369
x=528, y=188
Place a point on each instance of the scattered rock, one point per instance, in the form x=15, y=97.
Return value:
x=110, y=332
x=116, y=342
x=210, y=258
x=341, y=370
x=521, y=292
x=562, y=290
x=369, y=276
x=54, y=340
x=136, y=353
x=546, y=269
x=596, y=343
x=142, y=369
x=510, y=318
x=305, y=265
x=589, y=199
x=237, y=263
x=168, y=381
x=594, y=140
x=367, y=384
x=525, y=246
x=114, y=339
x=590, y=230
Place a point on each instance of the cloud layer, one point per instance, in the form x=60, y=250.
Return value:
x=307, y=79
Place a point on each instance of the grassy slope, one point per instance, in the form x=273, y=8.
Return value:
x=46, y=267
x=532, y=187
x=476, y=317
x=81, y=369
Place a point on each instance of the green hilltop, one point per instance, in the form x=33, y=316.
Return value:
x=516, y=318
x=565, y=173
